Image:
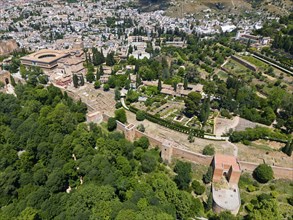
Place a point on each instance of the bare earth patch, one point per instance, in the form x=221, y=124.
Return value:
x=262, y=153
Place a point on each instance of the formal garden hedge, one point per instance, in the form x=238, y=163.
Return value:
x=172, y=125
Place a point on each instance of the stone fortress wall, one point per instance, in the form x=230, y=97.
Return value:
x=169, y=151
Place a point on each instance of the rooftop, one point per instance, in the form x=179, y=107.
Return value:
x=226, y=160
x=45, y=55
x=228, y=199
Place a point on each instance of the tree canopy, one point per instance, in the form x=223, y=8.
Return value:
x=54, y=166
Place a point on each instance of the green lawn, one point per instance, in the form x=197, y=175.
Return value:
x=222, y=74
x=261, y=146
x=255, y=62
x=236, y=68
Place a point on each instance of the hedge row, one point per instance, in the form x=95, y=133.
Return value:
x=287, y=67
x=172, y=125
x=252, y=134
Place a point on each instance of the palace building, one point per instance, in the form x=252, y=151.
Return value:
x=45, y=59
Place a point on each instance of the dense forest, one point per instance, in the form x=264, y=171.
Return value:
x=54, y=166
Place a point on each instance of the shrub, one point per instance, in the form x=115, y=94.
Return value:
x=249, y=207
x=112, y=124
x=197, y=187
x=132, y=96
x=274, y=194
x=97, y=85
x=120, y=115
x=183, y=177
x=148, y=162
x=225, y=113
x=138, y=152
x=140, y=116
x=225, y=215
x=141, y=128
x=263, y=173
x=142, y=142
x=2, y=84
x=246, y=142
x=191, y=138
x=207, y=178
x=208, y=150
x=252, y=134
x=209, y=203
x=255, y=183
x=263, y=197
x=245, y=180
x=290, y=200
x=106, y=87
x=118, y=105
x=251, y=188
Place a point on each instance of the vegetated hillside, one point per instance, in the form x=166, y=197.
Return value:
x=46, y=149
x=179, y=7
x=152, y=5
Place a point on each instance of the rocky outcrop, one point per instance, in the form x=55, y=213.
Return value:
x=8, y=46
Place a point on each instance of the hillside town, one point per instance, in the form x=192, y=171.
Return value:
x=108, y=24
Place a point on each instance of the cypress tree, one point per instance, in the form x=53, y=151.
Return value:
x=175, y=86
x=12, y=81
x=138, y=80
x=101, y=70
x=86, y=58
x=205, y=111
x=185, y=83
x=207, y=178
x=159, y=85
x=98, y=74
x=288, y=148
x=136, y=69
x=81, y=80
x=89, y=59
x=102, y=56
x=209, y=203
x=75, y=80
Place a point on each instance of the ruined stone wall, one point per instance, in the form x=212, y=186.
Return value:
x=120, y=126
x=153, y=141
x=105, y=118
x=4, y=77
x=234, y=176
x=169, y=152
x=283, y=172
x=279, y=172
x=191, y=156
x=95, y=117
x=217, y=175
x=245, y=63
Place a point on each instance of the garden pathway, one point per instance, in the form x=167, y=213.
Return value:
x=123, y=104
